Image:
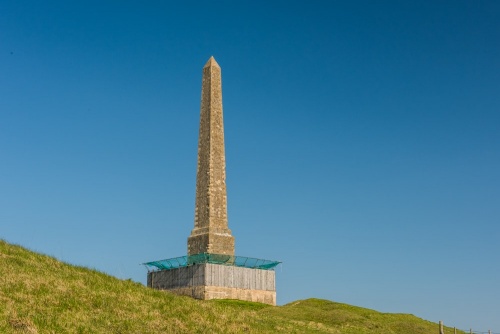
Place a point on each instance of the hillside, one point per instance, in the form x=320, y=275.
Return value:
x=39, y=294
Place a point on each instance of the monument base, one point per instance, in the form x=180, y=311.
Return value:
x=216, y=281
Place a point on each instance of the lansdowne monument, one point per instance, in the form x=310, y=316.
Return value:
x=211, y=270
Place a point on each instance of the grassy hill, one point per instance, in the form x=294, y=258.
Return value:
x=39, y=294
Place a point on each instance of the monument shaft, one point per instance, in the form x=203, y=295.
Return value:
x=216, y=273
x=211, y=233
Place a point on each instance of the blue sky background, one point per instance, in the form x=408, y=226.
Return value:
x=362, y=142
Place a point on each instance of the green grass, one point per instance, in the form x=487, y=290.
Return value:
x=39, y=294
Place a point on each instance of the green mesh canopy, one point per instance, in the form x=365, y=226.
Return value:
x=229, y=260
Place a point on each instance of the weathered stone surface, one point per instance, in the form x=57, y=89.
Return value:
x=217, y=292
x=216, y=281
x=211, y=233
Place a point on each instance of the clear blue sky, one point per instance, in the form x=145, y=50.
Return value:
x=362, y=142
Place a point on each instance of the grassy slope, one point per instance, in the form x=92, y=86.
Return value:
x=39, y=294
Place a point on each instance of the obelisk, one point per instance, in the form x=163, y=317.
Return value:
x=211, y=233
x=211, y=270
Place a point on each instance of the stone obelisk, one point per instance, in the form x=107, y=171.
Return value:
x=211, y=233
x=211, y=270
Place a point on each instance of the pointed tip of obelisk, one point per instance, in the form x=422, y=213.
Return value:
x=211, y=62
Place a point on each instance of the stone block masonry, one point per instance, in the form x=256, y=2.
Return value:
x=211, y=233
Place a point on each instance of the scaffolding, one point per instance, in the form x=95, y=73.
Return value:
x=228, y=260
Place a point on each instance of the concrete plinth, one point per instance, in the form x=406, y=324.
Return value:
x=216, y=281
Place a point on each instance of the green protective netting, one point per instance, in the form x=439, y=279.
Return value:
x=229, y=260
